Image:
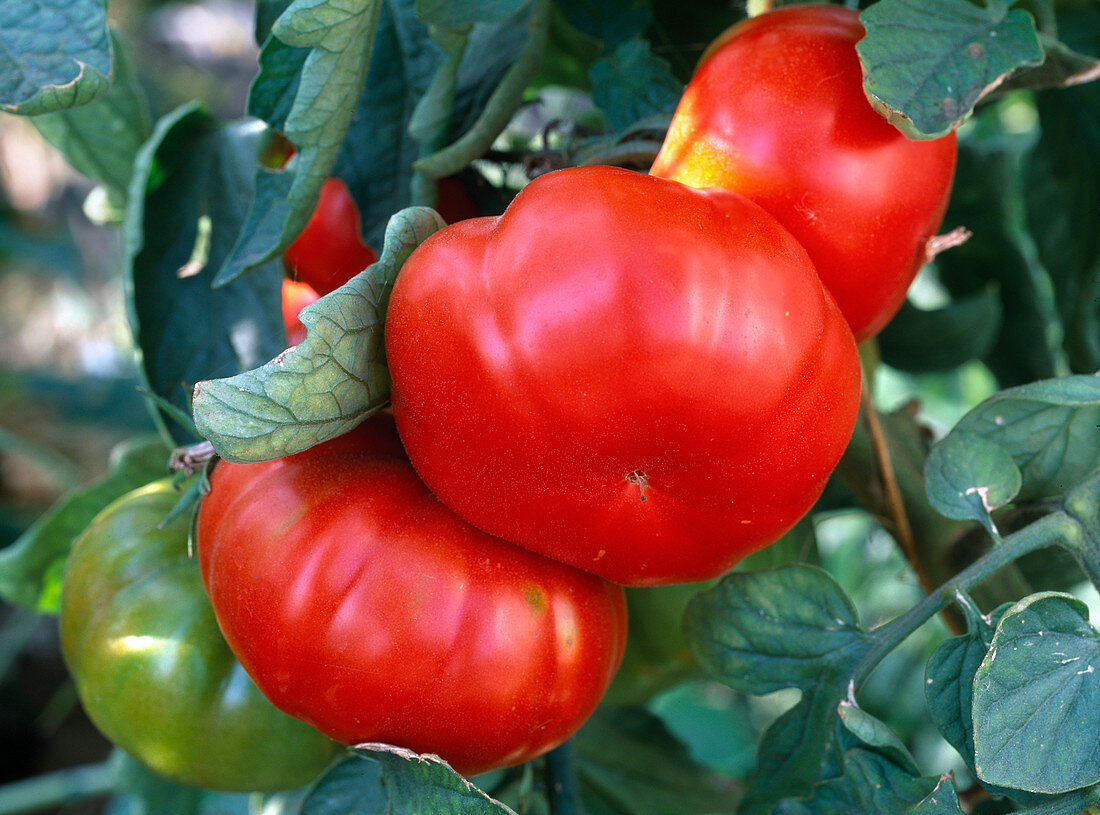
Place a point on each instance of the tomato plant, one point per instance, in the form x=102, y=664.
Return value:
x=776, y=111
x=153, y=671
x=330, y=250
x=360, y=604
x=667, y=385
x=647, y=373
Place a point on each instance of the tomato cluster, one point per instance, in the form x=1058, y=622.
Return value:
x=625, y=379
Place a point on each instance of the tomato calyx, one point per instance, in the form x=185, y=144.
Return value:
x=189, y=460
x=949, y=240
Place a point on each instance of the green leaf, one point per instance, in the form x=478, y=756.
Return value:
x=1037, y=698
x=31, y=567
x=871, y=732
x=968, y=476
x=54, y=54
x=187, y=200
x=923, y=340
x=632, y=84
x=872, y=783
x=329, y=80
x=1049, y=428
x=628, y=763
x=377, y=778
x=928, y=62
x=328, y=383
x=949, y=689
x=990, y=199
x=1063, y=185
x=101, y=139
x=449, y=14
x=501, y=104
x=789, y=627
x=612, y=22
x=794, y=750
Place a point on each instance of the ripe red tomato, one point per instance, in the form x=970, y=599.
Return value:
x=330, y=250
x=776, y=111
x=360, y=604
x=296, y=296
x=638, y=378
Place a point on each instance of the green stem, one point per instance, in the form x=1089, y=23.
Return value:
x=562, y=793
x=1051, y=530
x=57, y=788
x=1083, y=505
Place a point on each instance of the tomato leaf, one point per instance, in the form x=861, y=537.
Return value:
x=872, y=783
x=762, y=631
x=612, y=22
x=628, y=763
x=54, y=54
x=1063, y=184
x=928, y=62
x=793, y=751
x=379, y=778
x=30, y=568
x=325, y=83
x=949, y=689
x=186, y=202
x=101, y=139
x=329, y=382
x=633, y=83
x=922, y=340
x=450, y=14
x=1042, y=659
x=871, y=732
x=989, y=199
x=968, y=476
x=1049, y=428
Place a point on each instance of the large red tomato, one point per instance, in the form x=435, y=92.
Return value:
x=626, y=374
x=359, y=603
x=330, y=250
x=776, y=111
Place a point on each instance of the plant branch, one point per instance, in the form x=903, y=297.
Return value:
x=1052, y=530
x=57, y=788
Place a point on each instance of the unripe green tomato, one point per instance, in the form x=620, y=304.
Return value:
x=152, y=669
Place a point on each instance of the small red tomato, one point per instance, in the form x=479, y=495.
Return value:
x=330, y=250
x=776, y=112
x=296, y=296
x=359, y=603
x=623, y=373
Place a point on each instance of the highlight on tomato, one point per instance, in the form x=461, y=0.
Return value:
x=638, y=378
x=362, y=605
x=776, y=111
x=151, y=668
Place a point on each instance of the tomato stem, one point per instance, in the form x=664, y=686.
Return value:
x=562, y=792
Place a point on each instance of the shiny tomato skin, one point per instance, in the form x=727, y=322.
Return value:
x=623, y=373
x=362, y=605
x=330, y=250
x=153, y=671
x=296, y=295
x=776, y=111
